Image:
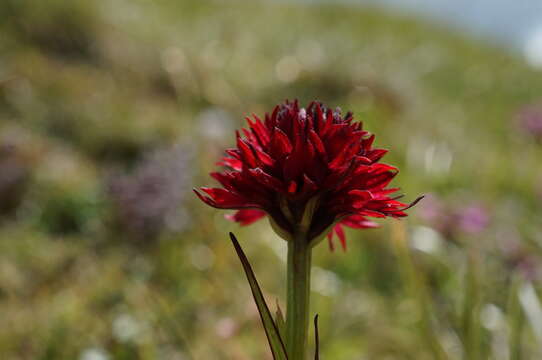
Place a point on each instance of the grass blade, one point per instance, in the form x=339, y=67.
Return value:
x=516, y=321
x=279, y=321
x=271, y=331
x=417, y=289
x=316, y=339
x=530, y=303
x=470, y=318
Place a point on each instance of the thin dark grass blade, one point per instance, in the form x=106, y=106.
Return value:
x=271, y=331
x=316, y=339
x=280, y=322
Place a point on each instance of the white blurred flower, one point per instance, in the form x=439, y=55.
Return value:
x=325, y=282
x=214, y=123
x=126, y=328
x=426, y=239
x=434, y=158
x=226, y=327
x=287, y=69
x=94, y=353
x=491, y=317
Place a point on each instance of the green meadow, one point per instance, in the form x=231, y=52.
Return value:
x=112, y=111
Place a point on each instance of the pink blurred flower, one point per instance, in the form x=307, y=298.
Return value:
x=517, y=256
x=450, y=220
x=472, y=219
x=530, y=120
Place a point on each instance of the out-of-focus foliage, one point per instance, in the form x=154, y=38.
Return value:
x=111, y=110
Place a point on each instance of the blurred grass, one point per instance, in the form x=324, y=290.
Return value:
x=89, y=89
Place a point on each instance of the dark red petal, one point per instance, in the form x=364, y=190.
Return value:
x=383, y=167
x=342, y=159
x=344, y=150
x=260, y=130
x=292, y=187
x=294, y=164
x=360, y=198
x=224, y=178
x=340, y=233
x=264, y=158
x=363, y=160
x=327, y=125
x=309, y=187
x=358, y=222
x=372, y=213
x=280, y=144
x=246, y=216
x=249, y=136
x=273, y=120
x=224, y=199
x=376, y=154
x=368, y=142
x=379, y=180
x=246, y=153
x=267, y=180
x=318, y=144
x=231, y=163
x=234, y=153
x=330, y=240
x=205, y=199
x=310, y=155
x=418, y=199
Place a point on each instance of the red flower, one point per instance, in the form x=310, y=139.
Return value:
x=311, y=170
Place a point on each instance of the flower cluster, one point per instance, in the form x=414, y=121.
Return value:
x=530, y=120
x=159, y=183
x=452, y=220
x=312, y=171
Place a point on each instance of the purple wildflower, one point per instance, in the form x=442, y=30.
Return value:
x=530, y=120
x=149, y=200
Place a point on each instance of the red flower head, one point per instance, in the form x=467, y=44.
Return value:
x=310, y=170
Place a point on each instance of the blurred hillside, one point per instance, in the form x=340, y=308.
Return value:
x=111, y=111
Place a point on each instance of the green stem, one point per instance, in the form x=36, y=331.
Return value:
x=298, y=294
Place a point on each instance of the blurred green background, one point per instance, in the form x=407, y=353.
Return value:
x=111, y=111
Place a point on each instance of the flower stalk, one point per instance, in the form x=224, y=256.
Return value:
x=298, y=296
